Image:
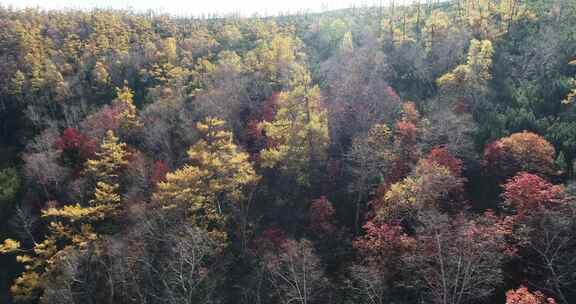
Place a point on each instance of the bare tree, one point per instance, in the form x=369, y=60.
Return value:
x=370, y=283
x=295, y=272
x=24, y=223
x=548, y=251
x=457, y=260
x=357, y=94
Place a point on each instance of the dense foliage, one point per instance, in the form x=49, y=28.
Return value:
x=420, y=153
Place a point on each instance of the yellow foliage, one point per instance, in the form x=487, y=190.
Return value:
x=425, y=188
x=475, y=73
x=299, y=132
x=218, y=173
x=128, y=117
x=71, y=227
x=379, y=135
x=9, y=245
x=110, y=158
x=274, y=58
x=25, y=286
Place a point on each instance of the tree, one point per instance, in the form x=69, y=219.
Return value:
x=380, y=260
x=368, y=159
x=443, y=157
x=42, y=165
x=523, y=296
x=528, y=193
x=546, y=240
x=458, y=260
x=298, y=136
x=111, y=158
x=295, y=272
x=321, y=217
x=524, y=151
x=430, y=187
x=469, y=81
x=357, y=93
x=127, y=111
x=218, y=175
x=275, y=58
x=452, y=129
x=71, y=227
x=406, y=147
x=76, y=147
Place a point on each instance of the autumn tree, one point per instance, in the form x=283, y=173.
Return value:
x=298, y=136
x=127, y=110
x=213, y=182
x=528, y=193
x=406, y=149
x=72, y=227
x=544, y=232
x=275, y=58
x=357, y=93
x=368, y=160
x=523, y=296
x=380, y=259
x=322, y=216
x=458, y=260
x=468, y=82
x=105, y=169
x=524, y=151
x=76, y=147
x=430, y=187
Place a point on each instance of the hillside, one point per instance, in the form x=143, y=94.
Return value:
x=422, y=153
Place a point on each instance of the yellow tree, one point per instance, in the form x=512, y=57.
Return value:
x=218, y=174
x=72, y=227
x=298, y=136
x=469, y=81
x=275, y=58
x=105, y=168
x=124, y=99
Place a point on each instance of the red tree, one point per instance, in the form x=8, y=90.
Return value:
x=528, y=193
x=443, y=157
x=523, y=296
x=322, y=216
x=523, y=151
x=382, y=241
x=270, y=239
x=159, y=171
x=76, y=145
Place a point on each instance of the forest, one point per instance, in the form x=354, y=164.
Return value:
x=396, y=154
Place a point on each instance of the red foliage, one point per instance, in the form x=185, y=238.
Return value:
x=322, y=216
x=159, y=171
x=523, y=151
x=271, y=239
x=108, y=118
x=406, y=153
x=443, y=157
x=492, y=227
x=523, y=296
x=407, y=132
x=528, y=193
x=73, y=140
x=382, y=241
